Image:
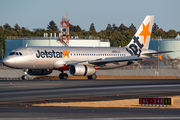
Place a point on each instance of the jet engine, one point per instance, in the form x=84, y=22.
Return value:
x=39, y=71
x=80, y=69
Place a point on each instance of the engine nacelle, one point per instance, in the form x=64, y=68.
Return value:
x=81, y=70
x=39, y=72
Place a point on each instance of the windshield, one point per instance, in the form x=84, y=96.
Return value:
x=15, y=53
x=11, y=53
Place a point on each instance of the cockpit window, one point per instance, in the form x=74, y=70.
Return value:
x=20, y=53
x=17, y=53
x=12, y=53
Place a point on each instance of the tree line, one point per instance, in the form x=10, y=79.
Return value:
x=118, y=35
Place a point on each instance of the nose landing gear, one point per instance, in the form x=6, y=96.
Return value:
x=24, y=77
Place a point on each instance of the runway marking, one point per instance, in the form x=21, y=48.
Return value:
x=93, y=88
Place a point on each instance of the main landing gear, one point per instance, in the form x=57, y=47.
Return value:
x=63, y=75
x=92, y=77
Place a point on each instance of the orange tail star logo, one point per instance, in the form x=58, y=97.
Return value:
x=160, y=56
x=66, y=53
x=145, y=32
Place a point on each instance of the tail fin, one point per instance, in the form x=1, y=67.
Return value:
x=142, y=37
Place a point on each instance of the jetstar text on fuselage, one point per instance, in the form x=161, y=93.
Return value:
x=49, y=54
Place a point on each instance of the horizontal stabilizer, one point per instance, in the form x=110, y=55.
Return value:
x=155, y=53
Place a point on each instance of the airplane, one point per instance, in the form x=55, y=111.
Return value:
x=83, y=61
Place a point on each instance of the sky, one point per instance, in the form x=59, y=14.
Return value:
x=33, y=14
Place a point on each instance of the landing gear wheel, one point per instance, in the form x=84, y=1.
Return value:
x=63, y=76
x=24, y=77
x=89, y=77
x=92, y=77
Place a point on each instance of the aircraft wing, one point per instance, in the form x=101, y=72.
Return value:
x=119, y=59
x=109, y=60
x=75, y=62
x=116, y=59
x=126, y=58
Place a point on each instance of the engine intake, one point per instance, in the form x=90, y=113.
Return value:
x=39, y=72
x=81, y=70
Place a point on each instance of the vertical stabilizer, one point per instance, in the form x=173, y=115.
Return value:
x=142, y=37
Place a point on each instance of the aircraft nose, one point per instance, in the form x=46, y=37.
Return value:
x=6, y=62
x=11, y=62
x=3, y=61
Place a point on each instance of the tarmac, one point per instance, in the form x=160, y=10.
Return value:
x=16, y=74
x=18, y=97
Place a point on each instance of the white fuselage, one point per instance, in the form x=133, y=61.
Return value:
x=57, y=57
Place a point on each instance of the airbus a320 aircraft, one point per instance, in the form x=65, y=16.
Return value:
x=82, y=61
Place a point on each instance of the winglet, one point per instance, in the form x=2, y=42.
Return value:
x=160, y=56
